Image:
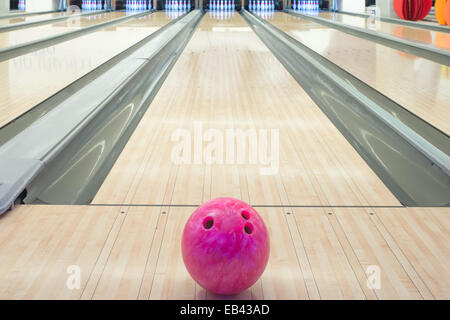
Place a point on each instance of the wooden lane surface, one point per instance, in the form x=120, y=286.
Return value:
x=30, y=79
x=40, y=244
x=23, y=19
x=15, y=37
x=236, y=83
x=422, y=236
x=419, y=85
x=423, y=36
x=134, y=253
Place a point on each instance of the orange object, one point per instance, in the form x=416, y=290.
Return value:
x=447, y=13
x=419, y=35
x=442, y=40
x=439, y=11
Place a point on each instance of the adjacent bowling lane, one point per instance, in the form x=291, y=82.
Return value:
x=226, y=80
x=435, y=39
x=33, y=18
x=15, y=37
x=419, y=85
x=29, y=79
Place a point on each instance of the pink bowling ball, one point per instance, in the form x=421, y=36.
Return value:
x=225, y=246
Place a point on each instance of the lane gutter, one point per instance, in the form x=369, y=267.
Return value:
x=23, y=25
x=416, y=170
x=25, y=14
x=27, y=47
x=415, y=24
x=66, y=158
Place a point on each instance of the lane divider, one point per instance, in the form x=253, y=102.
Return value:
x=422, y=50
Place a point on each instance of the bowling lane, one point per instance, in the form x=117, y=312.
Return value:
x=227, y=80
x=419, y=85
x=12, y=20
x=15, y=37
x=134, y=253
x=29, y=79
x=435, y=39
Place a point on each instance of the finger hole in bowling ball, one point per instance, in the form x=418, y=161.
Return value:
x=248, y=228
x=208, y=223
x=245, y=215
